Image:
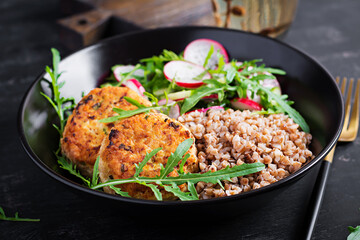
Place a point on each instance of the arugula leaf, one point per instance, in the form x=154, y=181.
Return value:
x=147, y=157
x=71, y=168
x=95, y=177
x=354, y=233
x=16, y=218
x=192, y=190
x=125, y=114
x=208, y=56
x=153, y=98
x=166, y=56
x=191, y=101
x=134, y=102
x=230, y=74
x=183, y=196
x=175, y=157
x=213, y=177
x=128, y=113
x=170, y=184
x=58, y=102
x=295, y=115
x=210, y=177
x=183, y=161
x=154, y=188
x=118, y=191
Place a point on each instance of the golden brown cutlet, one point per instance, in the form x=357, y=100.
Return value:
x=129, y=141
x=83, y=133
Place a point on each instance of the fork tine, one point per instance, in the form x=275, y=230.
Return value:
x=348, y=102
x=343, y=86
x=354, y=121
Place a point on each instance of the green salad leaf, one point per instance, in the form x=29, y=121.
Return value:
x=16, y=218
x=175, y=157
x=283, y=105
x=60, y=104
x=354, y=233
x=171, y=184
x=128, y=113
x=71, y=168
x=208, y=56
x=198, y=94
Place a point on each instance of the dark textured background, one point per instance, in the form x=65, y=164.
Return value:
x=328, y=30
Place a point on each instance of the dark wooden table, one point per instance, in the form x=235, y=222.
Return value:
x=326, y=29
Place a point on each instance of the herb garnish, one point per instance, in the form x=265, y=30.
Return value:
x=16, y=218
x=354, y=233
x=234, y=81
x=170, y=184
x=61, y=106
x=128, y=113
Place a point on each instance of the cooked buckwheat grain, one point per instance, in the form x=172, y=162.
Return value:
x=229, y=138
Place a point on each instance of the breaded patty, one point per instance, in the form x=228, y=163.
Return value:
x=130, y=140
x=83, y=133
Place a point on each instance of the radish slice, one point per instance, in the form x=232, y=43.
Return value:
x=120, y=70
x=204, y=110
x=197, y=51
x=174, y=110
x=135, y=85
x=272, y=84
x=185, y=73
x=211, y=97
x=245, y=104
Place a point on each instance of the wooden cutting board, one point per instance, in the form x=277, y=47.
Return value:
x=88, y=21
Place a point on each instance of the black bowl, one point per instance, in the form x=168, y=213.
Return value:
x=314, y=91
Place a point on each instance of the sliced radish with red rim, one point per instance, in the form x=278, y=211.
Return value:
x=197, y=51
x=174, y=111
x=204, y=110
x=271, y=84
x=136, y=86
x=185, y=74
x=120, y=70
x=245, y=104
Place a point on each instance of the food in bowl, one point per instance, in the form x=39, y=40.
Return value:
x=145, y=161
x=230, y=138
x=83, y=133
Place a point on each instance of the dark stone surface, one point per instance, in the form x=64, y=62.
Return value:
x=325, y=29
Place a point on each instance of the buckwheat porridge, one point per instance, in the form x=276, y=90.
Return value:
x=229, y=138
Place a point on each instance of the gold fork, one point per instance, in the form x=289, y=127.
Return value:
x=348, y=134
x=349, y=130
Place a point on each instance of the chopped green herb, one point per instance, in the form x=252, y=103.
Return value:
x=354, y=233
x=170, y=184
x=208, y=56
x=128, y=113
x=60, y=104
x=16, y=218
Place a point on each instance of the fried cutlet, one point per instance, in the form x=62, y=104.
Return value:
x=83, y=133
x=129, y=141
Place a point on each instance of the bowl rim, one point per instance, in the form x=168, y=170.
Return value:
x=292, y=177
